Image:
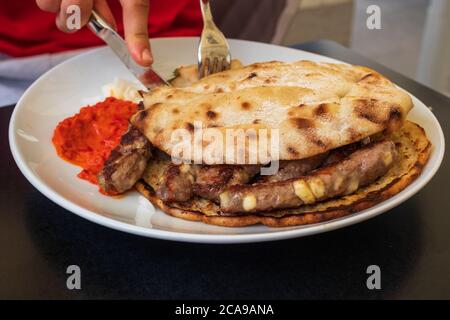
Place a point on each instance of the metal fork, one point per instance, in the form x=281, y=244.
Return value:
x=213, y=49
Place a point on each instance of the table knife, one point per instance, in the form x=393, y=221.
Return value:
x=146, y=75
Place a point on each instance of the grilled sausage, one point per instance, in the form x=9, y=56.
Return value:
x=181, y=182
x=294, y=168
x=210, y=181
x=360, y=168
x=126, y=163
x=176, y=183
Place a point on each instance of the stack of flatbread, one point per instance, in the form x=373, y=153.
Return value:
x=343, y=143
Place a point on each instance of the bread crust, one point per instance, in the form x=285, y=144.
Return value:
x=311, y=107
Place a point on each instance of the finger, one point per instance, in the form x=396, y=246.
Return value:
x=135, y=21
x=103, y=9
x=67, y=17
x=49, y=5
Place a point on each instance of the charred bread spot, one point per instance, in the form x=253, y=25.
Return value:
x=321, y=110
x=189, y=126
x=326, y=110
x=211, y=115
x=256, y=121
x=252, y=75
x=319, y=143
x=372, y=78
x=369, y=116
x=366, y=109
x=395, y=119
x=141, y=105
x=302, y=123
x=366, y=77
x=219, y=90
x=312, y=74
x=292, y=150
x=246, y=105
x=175, y=111
x=395, y=114
x=170, y=96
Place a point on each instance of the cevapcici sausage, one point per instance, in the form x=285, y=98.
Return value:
x=210, y=181
x=176, y=182
x=181, y=182
x=360, y=168
x=290, y=169
x=126, y=163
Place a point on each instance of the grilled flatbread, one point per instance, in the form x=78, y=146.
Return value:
x=185, y=76
x=413, y=152
x=315, y=107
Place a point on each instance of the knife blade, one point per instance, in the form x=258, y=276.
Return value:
x=146, y=75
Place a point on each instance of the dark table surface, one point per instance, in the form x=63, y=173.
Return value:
x=39, y=239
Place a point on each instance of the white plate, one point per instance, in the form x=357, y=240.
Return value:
x=63, y=90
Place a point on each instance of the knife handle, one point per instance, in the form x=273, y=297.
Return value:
x=97, y=24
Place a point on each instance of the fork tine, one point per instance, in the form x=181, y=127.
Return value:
x=207, y=67
x=204, y=67
x=215, y=65
x=225, y=64
x=220, y=65
x=213, y=45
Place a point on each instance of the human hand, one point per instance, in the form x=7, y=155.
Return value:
x=135, y=19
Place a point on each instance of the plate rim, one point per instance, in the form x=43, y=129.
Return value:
x=280, y=234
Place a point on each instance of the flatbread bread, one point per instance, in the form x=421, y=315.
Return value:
x=314, y=107
x=413, y=153
x=185, y=76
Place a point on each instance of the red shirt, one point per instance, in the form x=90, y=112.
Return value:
x=26, y=30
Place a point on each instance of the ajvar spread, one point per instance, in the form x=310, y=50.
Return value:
x=87, y=138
